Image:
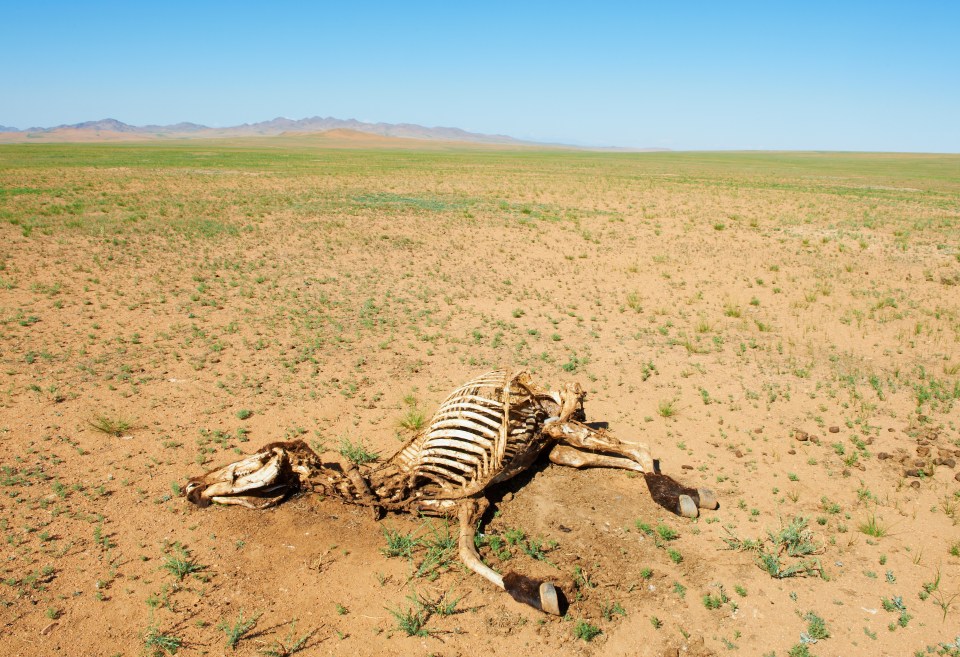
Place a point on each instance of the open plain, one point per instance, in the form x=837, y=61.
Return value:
x=781, y=327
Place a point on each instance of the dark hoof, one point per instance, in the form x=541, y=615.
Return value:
x=542, y=596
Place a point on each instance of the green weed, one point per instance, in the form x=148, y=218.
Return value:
x=873, y=527
x=585, y=630
x=358, y=454
x=180, y=563
x=158, y=644
x=237, y=629
x=112, y=426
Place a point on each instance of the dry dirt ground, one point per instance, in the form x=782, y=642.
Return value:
x=784, y=328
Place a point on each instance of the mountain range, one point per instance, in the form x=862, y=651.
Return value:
x=113, y=129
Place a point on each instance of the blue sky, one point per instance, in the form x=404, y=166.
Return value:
x=696, y=75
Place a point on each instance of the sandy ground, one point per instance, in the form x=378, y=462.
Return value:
x=786, y=333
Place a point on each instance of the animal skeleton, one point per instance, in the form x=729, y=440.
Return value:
x=487, y=431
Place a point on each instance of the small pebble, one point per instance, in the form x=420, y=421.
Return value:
x=834, y=429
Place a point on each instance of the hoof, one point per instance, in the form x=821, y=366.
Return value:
x=707, y=499
x=687, y=507
x=542, y=596
x=549, y=600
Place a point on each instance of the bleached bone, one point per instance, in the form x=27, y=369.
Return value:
x=488, y=430
x=574, y=458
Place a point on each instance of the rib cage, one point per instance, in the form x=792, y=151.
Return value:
x=486, y=431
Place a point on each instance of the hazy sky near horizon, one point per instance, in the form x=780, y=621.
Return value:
x=877, y=76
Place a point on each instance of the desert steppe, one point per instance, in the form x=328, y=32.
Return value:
x=781, y=327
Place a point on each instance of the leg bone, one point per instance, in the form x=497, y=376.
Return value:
x=542, y=596
x=575, y=458
x=469, y=513
x=579, y=435
x=582, y=447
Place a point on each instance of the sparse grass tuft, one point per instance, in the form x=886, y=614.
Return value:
x=413, y=420
x=158, y=644
x=443, y=605
x=237, y=629
x=585, y=630
x=290, y=645
x=873, y=527
x=816, y=627
x=358, y=454
x=398, y=544
x=611, y=609
x=440, y=549
x=667, y=408
x=180, y=563
x=112, y=426
x=667, y=533
x=896, y=605
x=781, y=554
x=714, y=601
x=411, y=620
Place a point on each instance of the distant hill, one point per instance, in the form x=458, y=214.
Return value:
x=113, y=129
x=345, y=134
x=341, y=131
x=352, y=139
